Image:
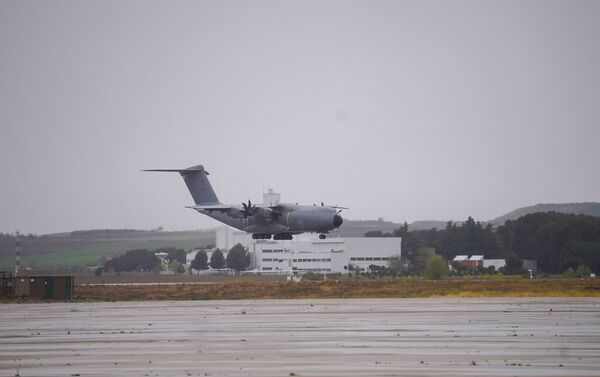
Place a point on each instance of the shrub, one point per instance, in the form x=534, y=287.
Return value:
x=436, y=267
x=569, y=273
x=583, y=271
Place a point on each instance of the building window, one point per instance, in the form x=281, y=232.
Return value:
x=360, y=259
x=267, y=268
x=278, y=251
x=267, y=251
x=267, y=260
x=353, y=258
x=377, y=259
x=369, y=259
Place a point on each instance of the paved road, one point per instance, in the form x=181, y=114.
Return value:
x=383, y=337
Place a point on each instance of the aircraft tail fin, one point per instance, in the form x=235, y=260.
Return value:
x=197, y=183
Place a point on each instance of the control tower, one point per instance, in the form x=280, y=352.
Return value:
x=271, y=197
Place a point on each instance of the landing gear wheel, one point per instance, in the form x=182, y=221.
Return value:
x=322, y=236
x=261, y=236
x=283, y=236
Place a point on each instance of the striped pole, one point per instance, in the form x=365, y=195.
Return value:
x=18, y=254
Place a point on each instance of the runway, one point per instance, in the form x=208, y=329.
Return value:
x=369, y=337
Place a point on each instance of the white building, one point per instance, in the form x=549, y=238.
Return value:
x=331, y=255
x=497, y=263
x=228, y=237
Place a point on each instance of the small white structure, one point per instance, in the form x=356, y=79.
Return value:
x=164, y=263
x=271, y=197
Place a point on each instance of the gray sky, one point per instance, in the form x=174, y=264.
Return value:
x=402, y=110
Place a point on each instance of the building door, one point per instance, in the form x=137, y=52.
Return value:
x=48, y=288
x=68, y=285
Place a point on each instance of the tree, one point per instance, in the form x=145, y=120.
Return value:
x=420, y=259
x=394, y=265
x=569, y=273
x=238, y=258
x=551, y=237
x=175, y=254
x=133, y=260
x=200, y=261
x=514, y=264
x=585, y=253
x=436, y=267
x=98, y=271
x=583, y=271
x=176, y=266
x=217, y=261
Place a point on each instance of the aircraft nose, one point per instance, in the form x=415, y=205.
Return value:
x=337, y=221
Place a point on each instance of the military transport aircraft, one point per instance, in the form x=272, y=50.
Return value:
x=262, y=220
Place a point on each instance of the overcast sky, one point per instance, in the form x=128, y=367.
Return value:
x=401, y=110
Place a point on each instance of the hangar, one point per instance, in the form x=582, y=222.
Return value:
x=332, y=255
x=308, y=253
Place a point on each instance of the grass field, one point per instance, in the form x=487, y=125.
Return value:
x=380, y=288
x=66, y=251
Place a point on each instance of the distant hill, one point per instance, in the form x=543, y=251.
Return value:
x=430, y=224
x=63, y=251
x=358, y=228
x=585, y=208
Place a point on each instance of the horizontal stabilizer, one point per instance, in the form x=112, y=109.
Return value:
x=183, y=172
x=197, y=183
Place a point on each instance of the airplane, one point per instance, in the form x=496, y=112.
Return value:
x=281, y=221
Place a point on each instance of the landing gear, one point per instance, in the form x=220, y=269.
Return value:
x=282, y=236
x=322, y=236
x=261, y=236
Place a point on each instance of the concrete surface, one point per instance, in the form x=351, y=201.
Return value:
x=382, y=337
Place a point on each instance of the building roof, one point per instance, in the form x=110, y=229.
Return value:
x=460, y=258
x=476, y=257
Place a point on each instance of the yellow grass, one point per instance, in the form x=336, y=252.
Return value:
x=381, y=288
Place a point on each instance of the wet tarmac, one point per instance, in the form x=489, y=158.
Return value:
x=380, y=337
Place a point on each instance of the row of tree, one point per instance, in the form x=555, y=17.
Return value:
x=145, y=260
x=238, y=259
x=557, y=241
